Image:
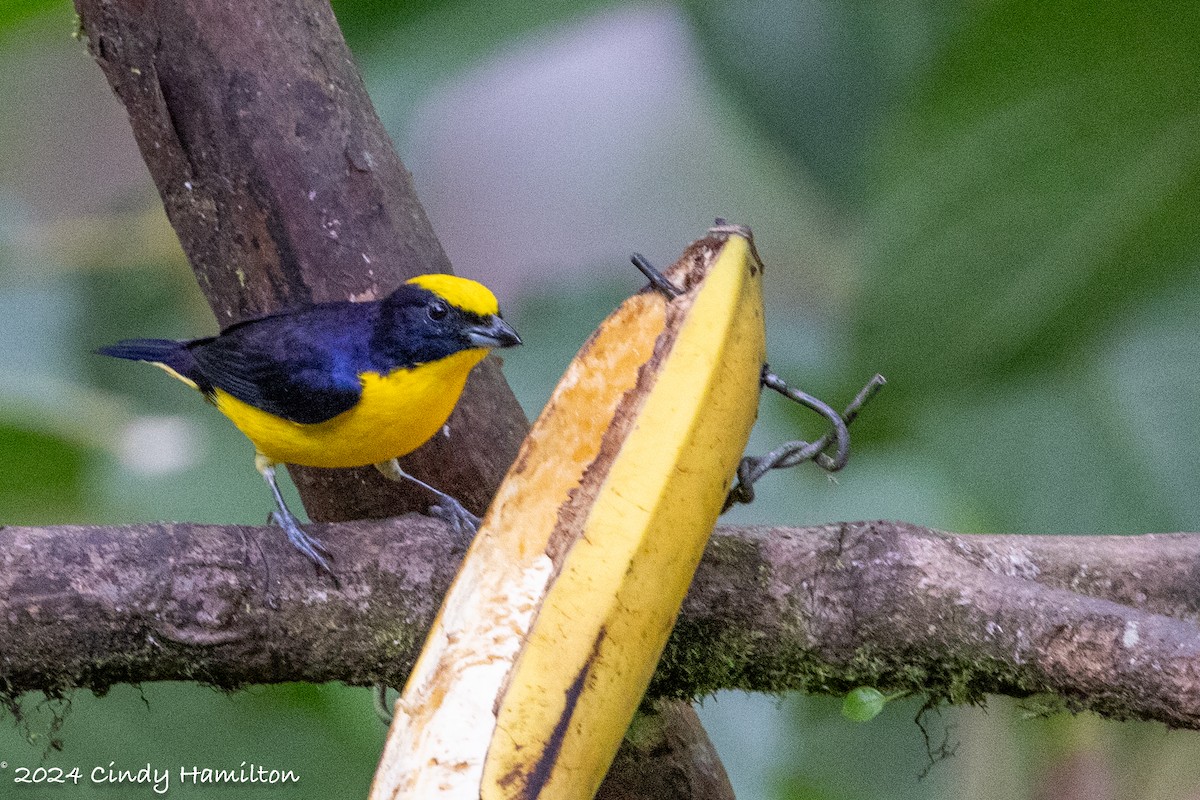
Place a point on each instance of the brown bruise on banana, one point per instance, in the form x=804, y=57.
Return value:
x=687, y=273
x=540, y=697
x=612, y=408
x=530, y=782
x=549, y=503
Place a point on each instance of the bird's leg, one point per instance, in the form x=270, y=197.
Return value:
x=283, y=518
x=447, y=509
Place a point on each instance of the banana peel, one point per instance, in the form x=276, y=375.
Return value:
x=552, y=629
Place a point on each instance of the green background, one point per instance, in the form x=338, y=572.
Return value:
x=993, y=204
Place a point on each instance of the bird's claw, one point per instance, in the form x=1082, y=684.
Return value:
x=308, y=545
x=455, y=515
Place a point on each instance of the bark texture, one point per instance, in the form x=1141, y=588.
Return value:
x=1107, y=623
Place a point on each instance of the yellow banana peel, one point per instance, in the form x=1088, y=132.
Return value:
x=549, y=636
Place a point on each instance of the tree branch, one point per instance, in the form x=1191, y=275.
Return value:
x=1106, y=623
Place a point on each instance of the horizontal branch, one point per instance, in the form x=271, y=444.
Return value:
x=1106, y=623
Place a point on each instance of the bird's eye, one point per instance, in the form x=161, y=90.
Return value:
x=438, y=310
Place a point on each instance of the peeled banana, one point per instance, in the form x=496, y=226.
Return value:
x=548, y=638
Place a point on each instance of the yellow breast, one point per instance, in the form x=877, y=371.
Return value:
x=396, y=414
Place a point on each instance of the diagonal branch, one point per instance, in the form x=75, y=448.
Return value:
x=1106, y=623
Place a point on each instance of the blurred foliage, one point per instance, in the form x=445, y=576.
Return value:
x=1015, y=212
x=14, y=12
x=819, y=76
x=1006, y=195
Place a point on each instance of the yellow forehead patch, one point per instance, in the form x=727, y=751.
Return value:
x=467, y=294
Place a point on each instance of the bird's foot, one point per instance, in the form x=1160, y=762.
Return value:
x=455, y=514
x=308, y=545
x=447, y=508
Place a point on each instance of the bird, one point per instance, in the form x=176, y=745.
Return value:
x=342, y=384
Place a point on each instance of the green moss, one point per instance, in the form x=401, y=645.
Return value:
x=703, y=657
x=397, y=646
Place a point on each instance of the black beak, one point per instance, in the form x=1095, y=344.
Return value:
x=494, y=332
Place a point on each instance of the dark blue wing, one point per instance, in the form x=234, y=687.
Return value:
x=302, y=366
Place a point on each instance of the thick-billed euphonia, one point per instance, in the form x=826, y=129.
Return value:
x=342, y=384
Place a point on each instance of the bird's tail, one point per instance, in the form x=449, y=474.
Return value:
x=156, y=351
x=173, y=356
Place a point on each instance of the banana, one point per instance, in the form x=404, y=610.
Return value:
x=549, y=636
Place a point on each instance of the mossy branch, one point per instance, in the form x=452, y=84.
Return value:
x=1104, y=623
